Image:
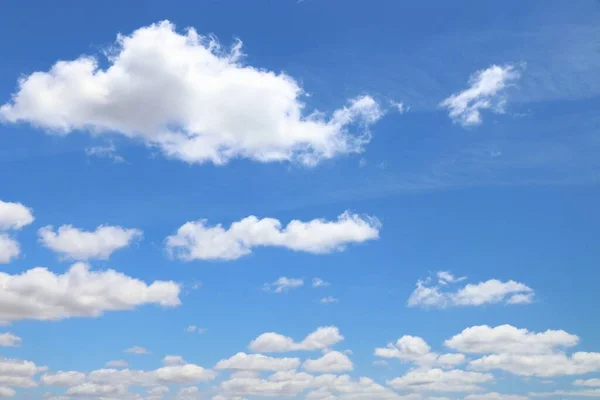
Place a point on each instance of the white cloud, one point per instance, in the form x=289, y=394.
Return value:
x=541, y=365
x=445, y=277
x=108, y=151
x=75, y=244
x=7, y=392
x=492, y=291
x=380, y=363
x=186, y=374
x=495, y=396
x=323, y=387
x=18, y=373
x=320, y=339
x=333, y=361
x=173, y=360
x=195, y=329
x=593, y=393
x=438, y=380
x=9, y=340
x=117, y=364
x=258, y=362
x=188, y=393
x=329, y=300
x=486, y=92
x=199, y=241
x=69, y=378
x=415, y=349
x=158, y=390
x=508, y=339
x=9, y=249
x=318, y=282
x=88, y=389
x=14, y=216
x=78, y=292
x=588, y=382
x=283, y=284
x=195, y=101
x=137, y=350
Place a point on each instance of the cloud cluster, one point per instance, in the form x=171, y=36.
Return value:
x=79, y=292
x=493, y=291
x=195, y=101
x=485, y=92
x=199, y=241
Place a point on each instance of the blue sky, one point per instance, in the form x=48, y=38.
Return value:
x=187, y=186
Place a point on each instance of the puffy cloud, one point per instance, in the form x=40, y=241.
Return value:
x=258, y=362
x=495, y=396
x=492, y=291
x=158, y=390
x=75, y=244
x=283, y=284
x=322, y=338
x=7, y=392
x=9, y=340
x=69, y=378
x=292, y=384
x=415, y=349
x=117, y=364
x=137, y=350
x=333, y=361
x=188, y=393
x=508, y=339
x=173, y=360
x=486, y=91
x=190, y=98
x=318, y=282
x=438, y=380
x=199, y=241
x=329, y=300
x=88, y=389
x=18, y=373
x=542, y=365
x=14, y=216
x=78, y=292
x=9, y=248
x=172, y=374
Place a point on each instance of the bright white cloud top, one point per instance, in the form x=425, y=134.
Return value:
x=333, y=361
x=416, y=350
x=199, y=241
x=195, y=101
x=79, y=292
x=14, y=215
x=322, y=338
x=76, y=244
x=486, y=92
x=493, y=291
